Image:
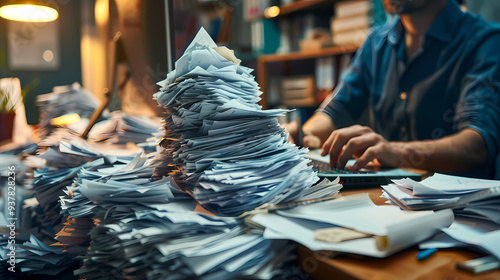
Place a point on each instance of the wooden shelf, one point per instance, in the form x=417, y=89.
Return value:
x=307, y=54
x=299, y=7
x=263, y=60
x=305, y=5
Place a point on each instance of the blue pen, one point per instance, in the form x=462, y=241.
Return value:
x=424, y=254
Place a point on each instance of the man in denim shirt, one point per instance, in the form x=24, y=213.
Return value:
x=431, y=79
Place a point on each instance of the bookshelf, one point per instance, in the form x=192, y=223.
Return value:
x=263, y=62
x=297, y=7
x=304, y=6
x=274, y=61
x=303, y=33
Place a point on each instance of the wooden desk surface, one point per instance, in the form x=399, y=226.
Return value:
x=402, y=265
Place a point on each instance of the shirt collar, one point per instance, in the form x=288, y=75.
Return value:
x=441, y=29
x=394, y=32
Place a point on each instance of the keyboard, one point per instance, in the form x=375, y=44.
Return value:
x=323, y=167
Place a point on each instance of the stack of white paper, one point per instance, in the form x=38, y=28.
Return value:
x=227, y=152
x=174, y=242
x=148, y=229
x=472, y=233
x=48, y=185
x=124, y=188
x=468, y=196
x=475, y=203
x=65, y=100
x=62, y=166
x=123, y=128
x=32, y=257
x=76, y=152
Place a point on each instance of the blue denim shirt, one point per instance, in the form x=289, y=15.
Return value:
x=451, y=83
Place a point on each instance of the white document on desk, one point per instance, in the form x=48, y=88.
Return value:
x=468, y=232
x=398, y=229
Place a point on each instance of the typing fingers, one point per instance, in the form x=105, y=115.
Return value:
x=335, y=143
x=362, y=147
x=370, y=154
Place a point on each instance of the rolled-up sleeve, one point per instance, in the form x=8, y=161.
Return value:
x=351, y=96
x=479, y=106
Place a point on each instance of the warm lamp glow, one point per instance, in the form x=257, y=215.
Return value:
x=28, y=12
x=272, y=11
x=65, y=120
x=48, y=55
x=101, y=12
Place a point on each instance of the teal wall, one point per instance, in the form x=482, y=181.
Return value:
x=69, y=70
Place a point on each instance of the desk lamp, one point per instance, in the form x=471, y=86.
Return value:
x=28, y=11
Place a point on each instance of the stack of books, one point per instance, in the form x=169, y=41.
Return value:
x=298, y=91
x=351, y=22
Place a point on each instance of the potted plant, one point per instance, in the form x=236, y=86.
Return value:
x=7, y=115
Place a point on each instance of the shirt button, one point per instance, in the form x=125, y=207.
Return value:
x=402, y=95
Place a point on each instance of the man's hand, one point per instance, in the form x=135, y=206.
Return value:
x=360, y=142
x=308, y=140
x=292, y=130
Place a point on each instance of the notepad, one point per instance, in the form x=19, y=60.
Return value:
x=369, y=176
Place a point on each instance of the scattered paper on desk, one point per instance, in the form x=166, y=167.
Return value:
x=124, y=128
x=440, y=191
x=475, y=203
x=64, y=100
x=402, y=230
x=478, y=234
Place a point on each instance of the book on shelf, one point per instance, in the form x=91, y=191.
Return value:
x=298, y=91
x=265, y=36
x=340, y=25
x=351, y=37
x=345, y=9
x=351, y=22
x=326, y=76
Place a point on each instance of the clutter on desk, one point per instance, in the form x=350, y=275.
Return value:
x=101, y=209
x=369, y=230
x=124, y=128
x=65, y=100
x=115, y=213
x=474, y=202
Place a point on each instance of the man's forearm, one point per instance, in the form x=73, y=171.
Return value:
x=460, y=152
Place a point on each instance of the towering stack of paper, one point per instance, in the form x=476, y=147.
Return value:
x=219, y=145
